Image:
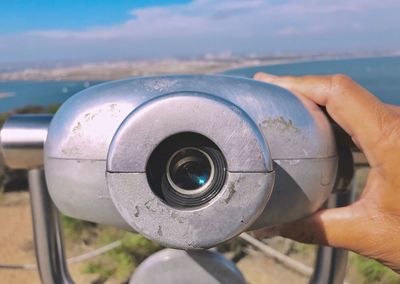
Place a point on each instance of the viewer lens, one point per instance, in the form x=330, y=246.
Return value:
x=190, y=171
x=192, y=174
x=186, y=170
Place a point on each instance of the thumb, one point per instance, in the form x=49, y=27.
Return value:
x=337, y=227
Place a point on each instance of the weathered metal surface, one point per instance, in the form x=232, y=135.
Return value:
x=81, y=190
x=301, y=187
x=237, y=206
x=92, y=116
x=235, y=134
x=106, y=133
x=181, y=267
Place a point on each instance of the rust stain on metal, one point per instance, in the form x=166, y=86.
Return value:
x=176, y=217
x=91, y=115
x=159, y=232
x=137, y=212
x=147, y=204
x=232, y=192
x=87, y=116
x=77, y=127
x=281, y=124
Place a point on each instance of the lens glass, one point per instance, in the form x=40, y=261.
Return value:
x=190, y=169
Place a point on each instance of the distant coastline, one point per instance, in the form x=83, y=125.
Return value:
x=379, y=74
x=104, y=71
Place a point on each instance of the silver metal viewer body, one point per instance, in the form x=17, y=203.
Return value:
x=266, y=157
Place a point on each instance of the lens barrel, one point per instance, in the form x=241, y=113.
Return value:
x=193, y=176
x=186, y=170
x=190, y=171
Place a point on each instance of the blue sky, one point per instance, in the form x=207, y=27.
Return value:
x=78, y=30
x=26, y=15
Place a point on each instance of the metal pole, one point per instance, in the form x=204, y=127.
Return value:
x=22, y=137
x=47, y=232
x=21, y=140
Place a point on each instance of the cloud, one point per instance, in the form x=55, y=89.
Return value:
x=301, y=31
x=205, y=17
x=203, y=26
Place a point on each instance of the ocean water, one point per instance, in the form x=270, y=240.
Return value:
x=379, y=75
x=17, y=94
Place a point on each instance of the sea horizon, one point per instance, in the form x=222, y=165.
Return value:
x=379, y=74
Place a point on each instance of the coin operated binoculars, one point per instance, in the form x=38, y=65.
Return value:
x=187, y=161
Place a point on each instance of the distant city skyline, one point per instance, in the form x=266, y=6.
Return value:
x=56, y=31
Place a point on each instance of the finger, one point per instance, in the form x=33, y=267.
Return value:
x=356, y=110
x=335, y=227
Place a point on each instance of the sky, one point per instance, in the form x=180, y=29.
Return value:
x=82, y=30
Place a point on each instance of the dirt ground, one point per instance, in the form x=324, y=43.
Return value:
x=16, y=242
x=16, y=247
x=257, y=269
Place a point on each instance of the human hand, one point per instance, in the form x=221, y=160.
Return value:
x=371, y=225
